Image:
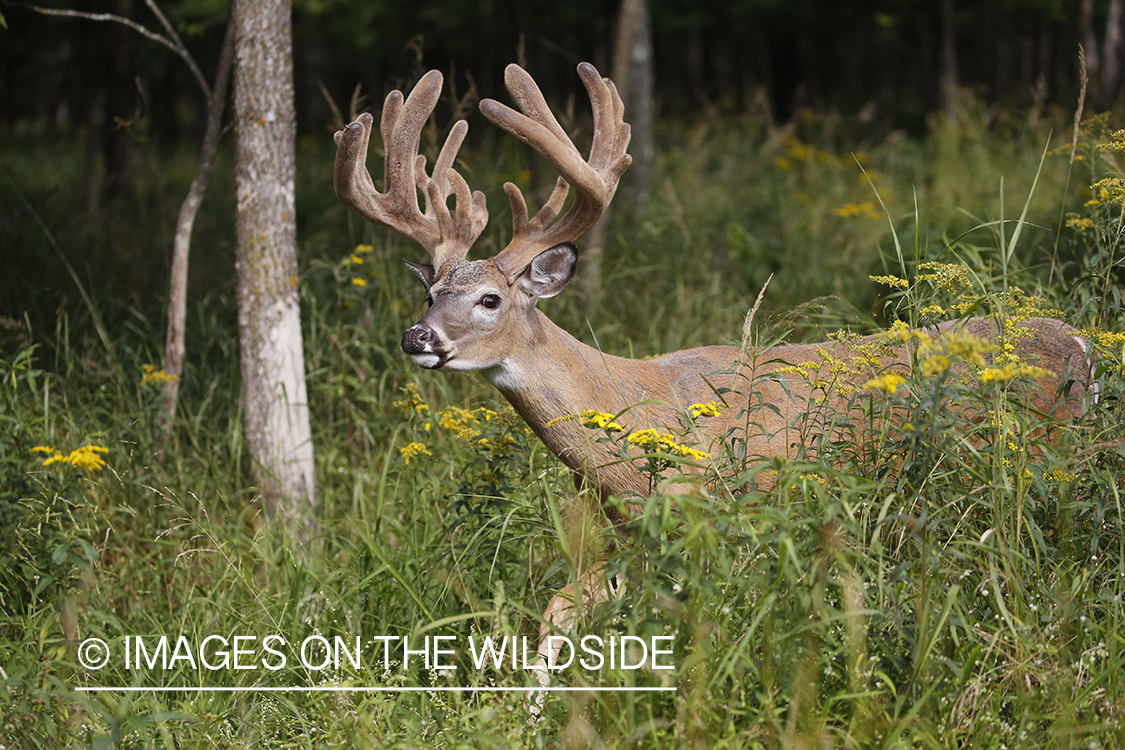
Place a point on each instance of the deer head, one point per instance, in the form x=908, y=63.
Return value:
x=480, y=310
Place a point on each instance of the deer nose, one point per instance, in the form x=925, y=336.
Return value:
x=419, y=339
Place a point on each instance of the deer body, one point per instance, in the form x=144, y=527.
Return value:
x=548, y=375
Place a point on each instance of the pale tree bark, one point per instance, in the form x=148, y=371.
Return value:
x=633, y=75
x=174, y=348
x=1111, y=62
x=949, y=75
x=275, y=399
x=1086, y=30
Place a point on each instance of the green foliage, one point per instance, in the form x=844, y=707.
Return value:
x=915, y=576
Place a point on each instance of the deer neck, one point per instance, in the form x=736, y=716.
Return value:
x=550, y=376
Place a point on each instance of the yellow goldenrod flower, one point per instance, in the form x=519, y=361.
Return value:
x=359, y=282
x=153, y=375
x=849, y=210
x=483, y=412
x=413, y=450
x=414, y=403
x=651, y=441
x=1104, y=339
x=948, y=276
x=600, y=420
x=1080, y=223
x=362, y=249
x=710, y=409
x=935, y=365
x=1060, y=476
x=890, y=281
x=591, y=418
x=888, y=383
x=966, y=346
x=1011, y=371
x=87, y=457
x=460, y=420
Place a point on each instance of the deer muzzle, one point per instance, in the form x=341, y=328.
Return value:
x=424, y=347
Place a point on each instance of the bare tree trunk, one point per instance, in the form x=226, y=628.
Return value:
x=633, y=75
x=181, y=244
x=949, y=76
x=1086, y=31
x=1111, y=52
x=275, y=400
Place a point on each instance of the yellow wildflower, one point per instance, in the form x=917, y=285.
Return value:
x=153, y=375
x=935, y=365
x=1011, y=371
x=867, y=210
x=710, y=409
x=803, y=369
x=415, y=401
x=87, y=457
x=1110, y=190
x=888, y=383
x=461, y=420
x=948, y=276
x=600, y=420
x=966, y=346
x=652, y=441
x=591, y=418
x=363, y=249
x=1104, y=339
x=1080, y=223
x=891, y=281
x=413, y=450
x=1060, y=476
x=359, y=282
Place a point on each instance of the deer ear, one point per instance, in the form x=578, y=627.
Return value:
x=423, y=271
x=550, y=271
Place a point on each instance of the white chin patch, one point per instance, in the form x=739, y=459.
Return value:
x=428, y=360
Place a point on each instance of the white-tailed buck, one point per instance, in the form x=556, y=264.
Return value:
x=483, y=313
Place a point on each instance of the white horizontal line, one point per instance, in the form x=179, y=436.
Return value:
x=344, y=689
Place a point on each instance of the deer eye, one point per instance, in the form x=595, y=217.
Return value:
x=491, y=301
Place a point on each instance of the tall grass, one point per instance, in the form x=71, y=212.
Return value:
x=949, y=582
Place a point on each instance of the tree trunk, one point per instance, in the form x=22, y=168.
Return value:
x=949, y=77
x=1111, y=59
x=1086, y=32
x=181, y=243
x=633, y=75
x=275, y=400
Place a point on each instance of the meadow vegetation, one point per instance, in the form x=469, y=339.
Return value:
x=956, y=580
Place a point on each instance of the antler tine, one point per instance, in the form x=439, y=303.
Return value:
x=459, y=231
x=404, y=174
x=594, y=180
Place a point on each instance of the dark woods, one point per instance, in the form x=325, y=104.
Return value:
x=892, y=57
